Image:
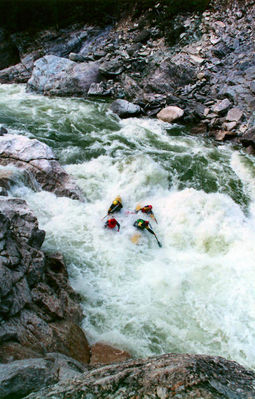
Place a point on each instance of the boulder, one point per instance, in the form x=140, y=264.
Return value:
x=125, y=109
x=221, y=107
x=112, y=68
x=170, y=114
x=234, y=115
x=248, y=138
x=222, y=135
x=105, y=354
x=169, y=77
x=171, y=375
x=37, y=160
x=15, y=74
x=19, y=378
x=58, y=76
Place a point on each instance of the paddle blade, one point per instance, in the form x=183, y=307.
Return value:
x=153, y=217
x=135, y=238
x=138, y=207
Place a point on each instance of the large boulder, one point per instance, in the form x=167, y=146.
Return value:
x=39, y=311
x=166, y=376
x=58, y=76
x=19, y=378
x=38, y=161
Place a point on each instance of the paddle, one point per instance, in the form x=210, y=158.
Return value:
x=111, y=211
x=153, y=217
x=159, y=244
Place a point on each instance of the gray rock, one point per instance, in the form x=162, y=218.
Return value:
x=54, y=75
x=76, y=57
x=3, y=131
x=248, y=139
x=234, y=115
x=166, y=376
x=39, y=311
x=111, y=68
x=125, y=109
x=170, y=76
x=221, y=107
x=38, y=160
x=21, y=377
x=100, y=90
x=15, y=74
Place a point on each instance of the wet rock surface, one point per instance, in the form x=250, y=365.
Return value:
x=54, y=75
x=39, y=311
x=167, y=376
x=22, y=377
x=39, y=163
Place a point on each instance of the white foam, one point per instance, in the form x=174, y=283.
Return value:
x=195, y=294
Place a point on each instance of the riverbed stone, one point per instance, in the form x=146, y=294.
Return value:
x=125, y=109
x=170, y=114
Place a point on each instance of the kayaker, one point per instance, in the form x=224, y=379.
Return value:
x=115, y=206
x=142, y=224
x=112, y=223
x=147, y=209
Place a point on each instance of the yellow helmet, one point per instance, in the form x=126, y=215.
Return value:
x=115, y=202
x=118, y=198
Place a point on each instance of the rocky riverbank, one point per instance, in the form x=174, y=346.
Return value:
x=201, y=63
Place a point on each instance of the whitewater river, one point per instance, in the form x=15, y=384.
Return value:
x=196, y=294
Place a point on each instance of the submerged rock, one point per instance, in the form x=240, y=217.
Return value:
x=38, y=160
x=167, y=376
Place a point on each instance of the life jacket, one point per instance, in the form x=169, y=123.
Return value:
x=111, y=223
x=147, y=209
x=116, y=205
x=142, y=224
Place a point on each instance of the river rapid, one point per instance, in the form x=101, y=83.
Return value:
x=196, y=294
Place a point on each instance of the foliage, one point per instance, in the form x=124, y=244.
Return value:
x=16, y=15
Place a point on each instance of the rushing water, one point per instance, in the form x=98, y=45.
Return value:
x=196, y=294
